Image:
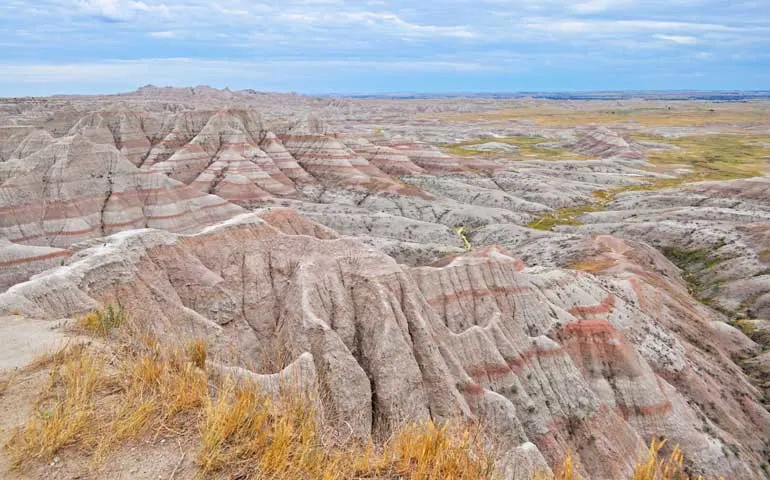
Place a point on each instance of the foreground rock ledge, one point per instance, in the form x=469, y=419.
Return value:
x=553, y=360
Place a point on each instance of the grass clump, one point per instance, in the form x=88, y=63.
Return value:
x=426, y=451
x=197, y=351
x=243, y=433
x=662, y=467
x=103, y=321
x=246, y=435
x=159, y=392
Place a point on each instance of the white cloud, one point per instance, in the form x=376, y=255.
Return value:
x=681, y=26
x=597, y=6
x=163, y=34
x=600, y=34
x=179, y=71
x=619, y=26
x=678, y=39
x=119, y=9
x=387, y=22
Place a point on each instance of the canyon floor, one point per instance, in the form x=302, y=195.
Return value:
x=578, y=277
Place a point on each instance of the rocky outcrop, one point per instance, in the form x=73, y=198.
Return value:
x=386, y=158
x=716, y=231
x=559, y=359
x=19, y=262
x=78, y=188
x=601, y=142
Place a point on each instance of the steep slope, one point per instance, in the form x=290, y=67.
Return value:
x=716, y=231
x=78, y=188
x=553, y=357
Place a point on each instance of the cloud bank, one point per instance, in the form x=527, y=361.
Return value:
x=340, y=46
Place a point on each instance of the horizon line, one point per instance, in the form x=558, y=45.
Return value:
x=449, y=93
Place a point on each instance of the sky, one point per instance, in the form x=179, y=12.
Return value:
x=378, y=46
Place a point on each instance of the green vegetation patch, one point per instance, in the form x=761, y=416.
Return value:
x=528, y=147
x=709, y=157
x=103, y=321
x=755, y=329
x=571, y=215
x=714, y=157
x=462, y=231
x=691, y=259
x=693, y=263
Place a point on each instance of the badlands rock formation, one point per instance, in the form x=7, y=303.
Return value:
x=401, y=281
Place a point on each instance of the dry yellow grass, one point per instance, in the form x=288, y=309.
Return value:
x=657, y=467
x=65, y=415
x=158, y=392
x=93, y=407
x=425, y=451
x=654, y=466
x=565, y=471
x=246, y=435
x=98, y=401
x=680, y=115
x=197, y=350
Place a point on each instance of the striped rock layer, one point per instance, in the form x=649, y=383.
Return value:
x=595, y=351
x=554, y=360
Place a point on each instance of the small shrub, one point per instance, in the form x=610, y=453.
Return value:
x=103, y=321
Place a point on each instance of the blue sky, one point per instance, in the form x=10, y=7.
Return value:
x=378, y=46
